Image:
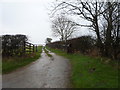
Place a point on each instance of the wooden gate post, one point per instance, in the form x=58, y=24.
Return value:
x=36, y=48
x=24, y=47
x=30, y=47
x=33, y=48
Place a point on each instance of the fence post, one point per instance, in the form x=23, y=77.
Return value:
x=33, y=48
x=36, y=48
x=29, y=48
x=24, y=47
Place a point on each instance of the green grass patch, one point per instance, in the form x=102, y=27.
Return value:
x=47, y=52
x=91, y=72
x=12, y=63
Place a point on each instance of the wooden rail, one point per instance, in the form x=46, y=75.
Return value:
x=29, y=47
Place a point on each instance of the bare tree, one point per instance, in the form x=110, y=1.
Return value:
x=63, y=27
x=93, y=12
x=88, y=11
x=112, y=32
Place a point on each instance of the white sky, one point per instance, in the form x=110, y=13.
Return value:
x=28, y=17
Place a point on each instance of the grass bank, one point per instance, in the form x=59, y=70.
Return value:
x=47, y=52
x=12, y=63
x=91, y=72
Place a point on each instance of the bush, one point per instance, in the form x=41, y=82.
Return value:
x=13, y=45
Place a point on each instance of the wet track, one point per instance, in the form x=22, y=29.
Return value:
x=46, y=72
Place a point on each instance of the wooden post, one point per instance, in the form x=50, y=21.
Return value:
x=24, y=47
x=30, y=47
x=36, y=48
x=33, y=48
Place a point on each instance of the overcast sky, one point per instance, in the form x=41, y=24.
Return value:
x=29, y=17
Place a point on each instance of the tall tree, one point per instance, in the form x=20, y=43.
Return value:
x=112, y=34
x=88, y=11
x=93, y=12
x=63, y=27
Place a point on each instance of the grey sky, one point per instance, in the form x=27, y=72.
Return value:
x=29, y=17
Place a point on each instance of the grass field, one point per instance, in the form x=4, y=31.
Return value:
x=12, y=63
x=91, y=72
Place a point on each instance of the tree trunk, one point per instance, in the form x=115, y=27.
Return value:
x=99, y=42
x=108, y=42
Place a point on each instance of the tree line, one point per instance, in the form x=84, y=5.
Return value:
x=103, y=18
x=83, y=44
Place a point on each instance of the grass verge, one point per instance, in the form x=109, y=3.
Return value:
x=13, y=63
x=91, y=72
x=47, y=52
